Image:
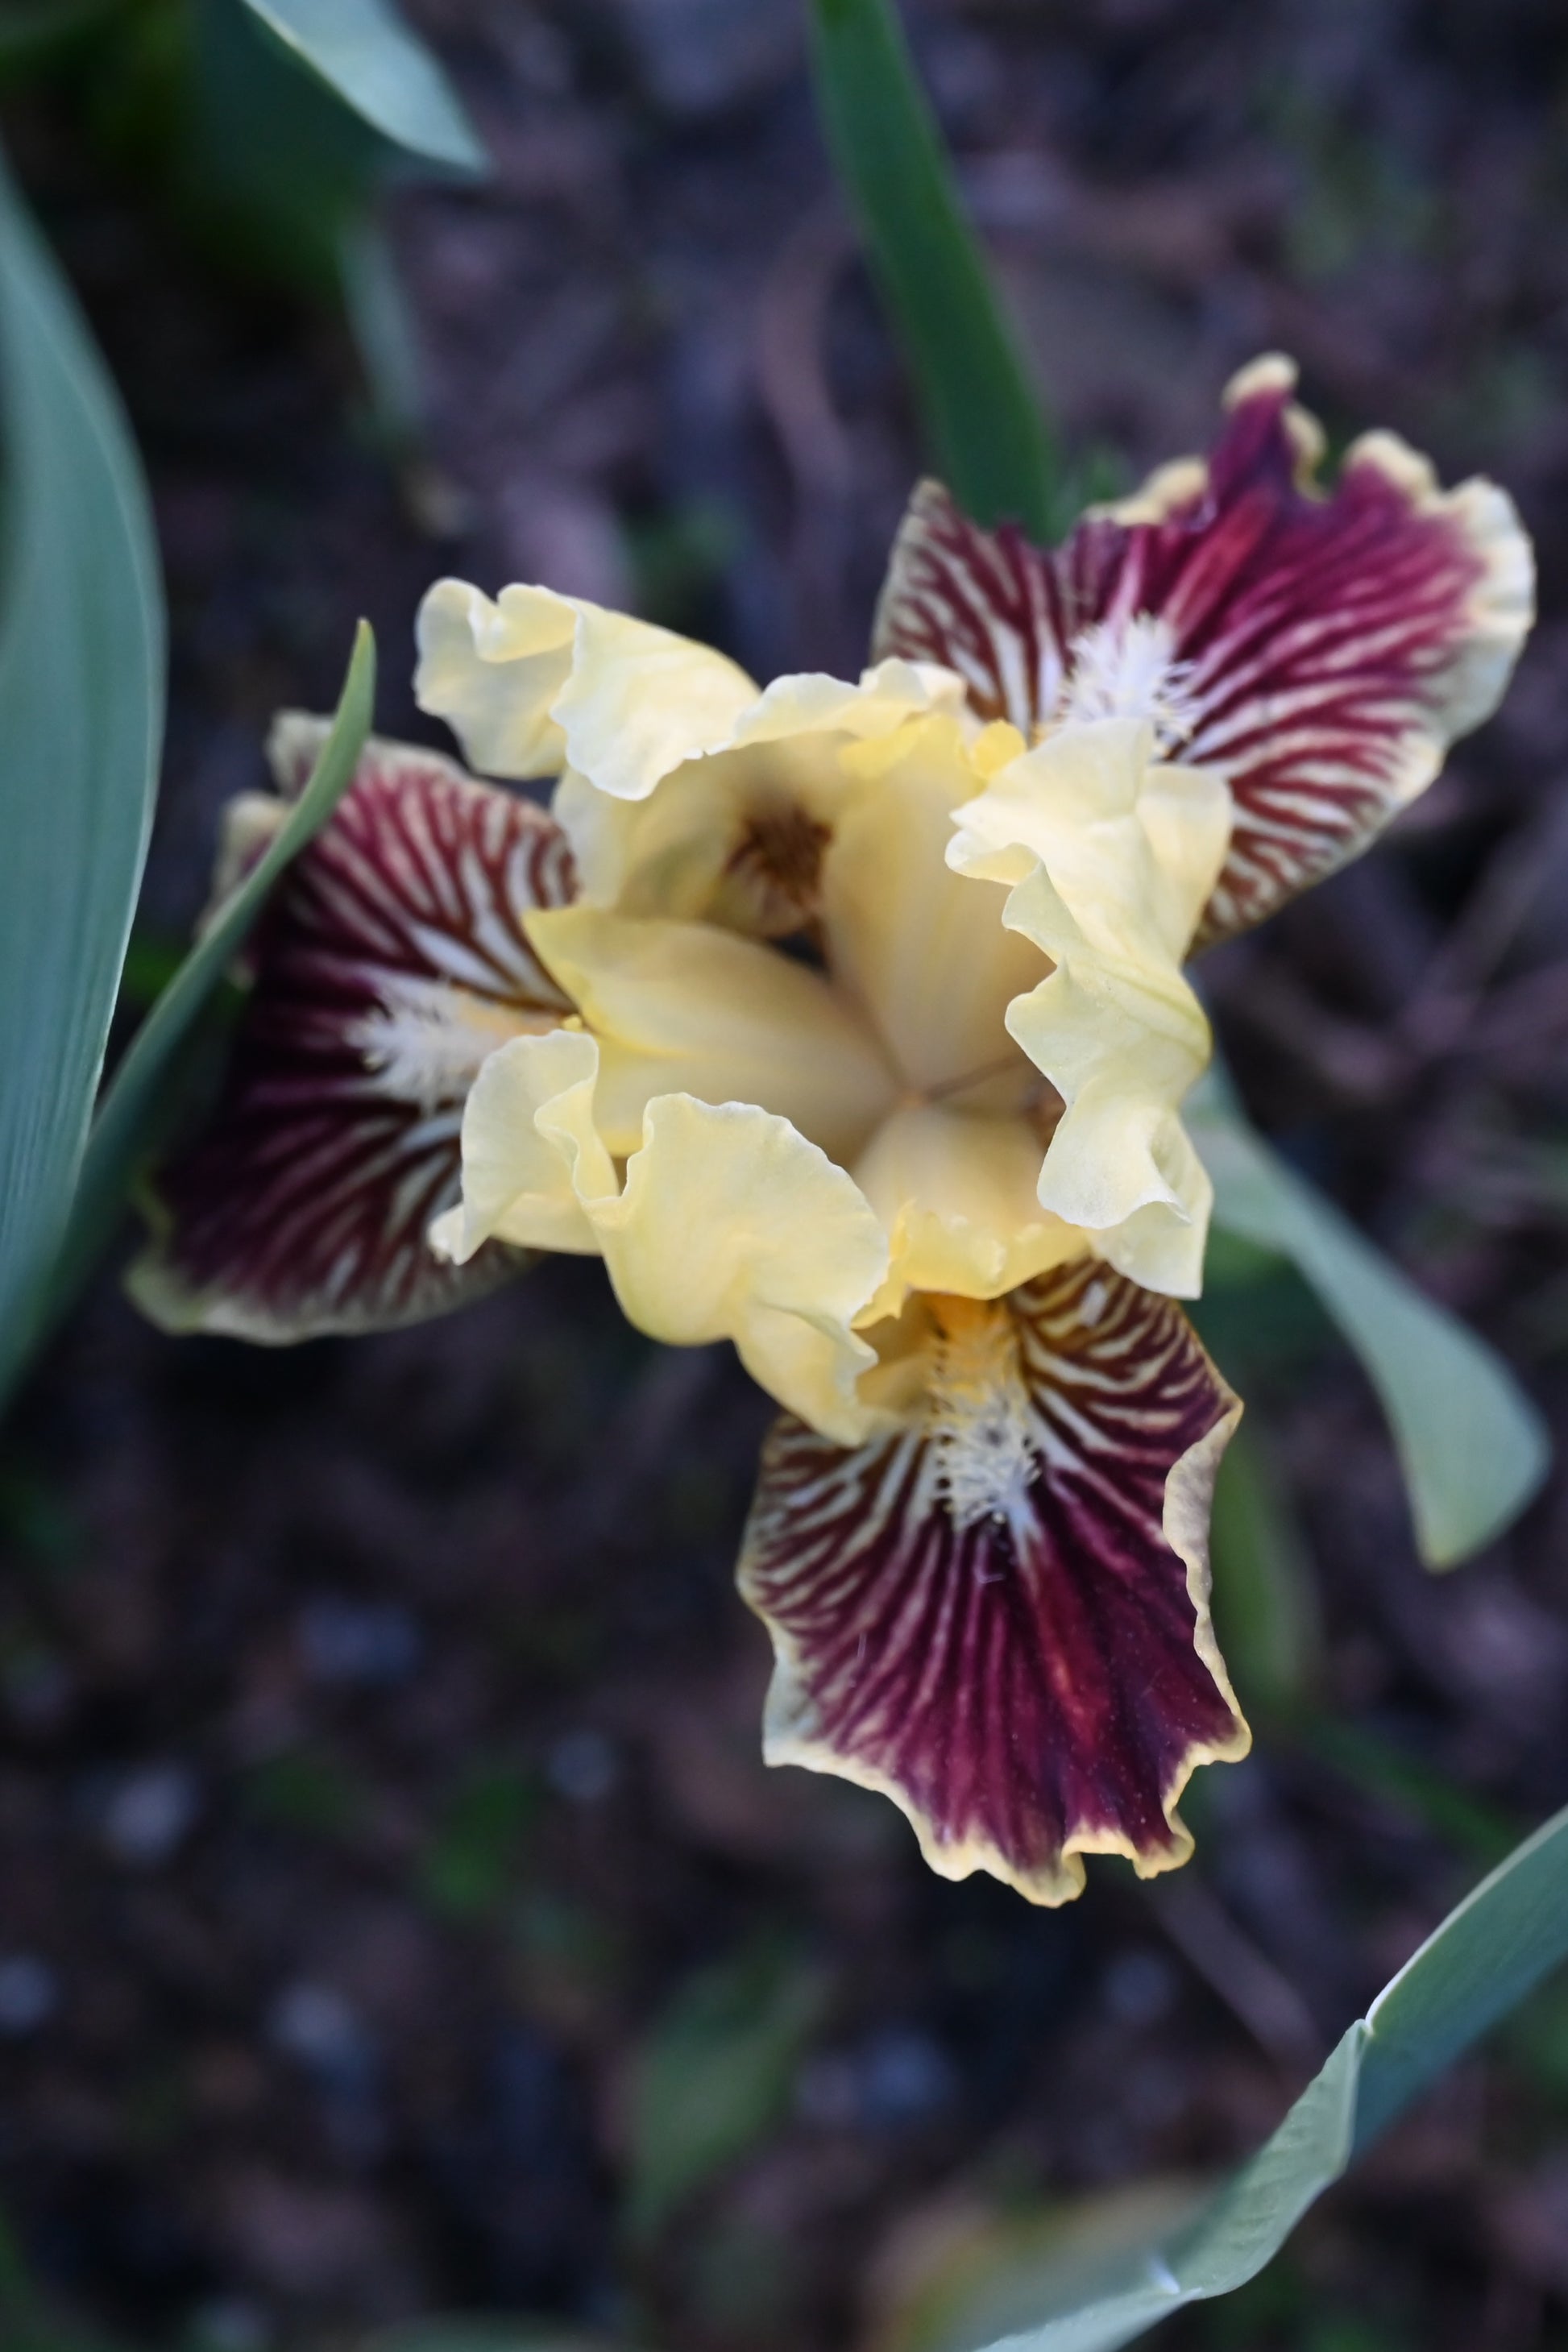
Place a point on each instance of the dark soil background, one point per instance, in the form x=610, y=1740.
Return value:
x=390, y=1886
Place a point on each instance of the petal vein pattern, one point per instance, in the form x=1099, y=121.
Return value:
x=390, y=965
x=1323, y=650
x=998, y=1616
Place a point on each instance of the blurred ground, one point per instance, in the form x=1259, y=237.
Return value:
x=395, y=1912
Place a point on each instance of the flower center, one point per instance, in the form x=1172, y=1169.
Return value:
x=982, y=1423
x=1127, y=668
x=776, y=865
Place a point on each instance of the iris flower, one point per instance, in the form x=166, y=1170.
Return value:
x=850, y=1023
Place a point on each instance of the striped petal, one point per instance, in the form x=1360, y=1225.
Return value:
x=390, y=964
x=1319, y=652
x=998, y=1615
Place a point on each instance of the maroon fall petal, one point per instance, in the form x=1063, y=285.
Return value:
x=999, y=1617
x=1323, y=651
x=390, y=962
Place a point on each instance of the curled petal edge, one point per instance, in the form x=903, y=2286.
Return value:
x=535, y=683
x=728, y=1223
x=790, y=1735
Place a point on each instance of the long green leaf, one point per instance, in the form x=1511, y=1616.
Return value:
x=129, y=1126
x=363, y=50
x=982, y=414
x=82, y=714
x=1485, y=1958
x=1473, y=1448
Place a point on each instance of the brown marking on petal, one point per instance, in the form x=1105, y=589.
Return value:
x=999, y=1614
x=1324, y=649
x=391, y=961
x=774, y=870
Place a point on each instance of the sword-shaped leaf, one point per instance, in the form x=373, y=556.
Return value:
x=982, y=414
x=81, y=706
x=363, y=51
x=1472, y=1447
x=130, y=1120
x=1483, y=1959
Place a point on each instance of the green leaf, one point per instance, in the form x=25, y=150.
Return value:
x=81, y=715
x=713, y=2077
x=131, y=1118
x=982, y=414
x=32, y=32
x=1264, y=1602
x=363, y=51
x=1485, y=1956
x=1473, y=1448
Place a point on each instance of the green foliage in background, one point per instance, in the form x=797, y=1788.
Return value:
x=1265, y=1602
x=713, y=2077
x=982, y=417
x=1473, y=1448
x=363, y=52
x=1499, y=1943
x=268, y=131
x=81, y=697
x=82, y=714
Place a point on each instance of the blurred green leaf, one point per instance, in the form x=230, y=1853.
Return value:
x=1473, y=1448
x=382, y=330
x=1475, y=1829
x=982, y=414
x=132, y=1119
x=1486, y=1955
x=1537, y=2042
x=1265, y=1607
x=470, y=1865
x=33, y=31
x=81, y=712
x=365, y=52
x=308, y=1790
x=713, y=2077
x=272, y=174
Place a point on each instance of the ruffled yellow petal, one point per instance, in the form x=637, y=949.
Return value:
x=535, y=681
x=1112, y=858
x=924, y=950
x=687, y=1008
x=729, y=1225
x=516, y=1185
x=734, y=1226
x=735, y=833
x=956, y=1193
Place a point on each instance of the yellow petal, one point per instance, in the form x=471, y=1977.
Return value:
x=923, y=948
x=516, y=1185
x=956, y=1193
x=688, y=850
x=675, y=853
x=493, y=671
x=1112, y=859
x=687, y=1008
x=734, y=1226
x=730, y=1225
x=536, y=681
